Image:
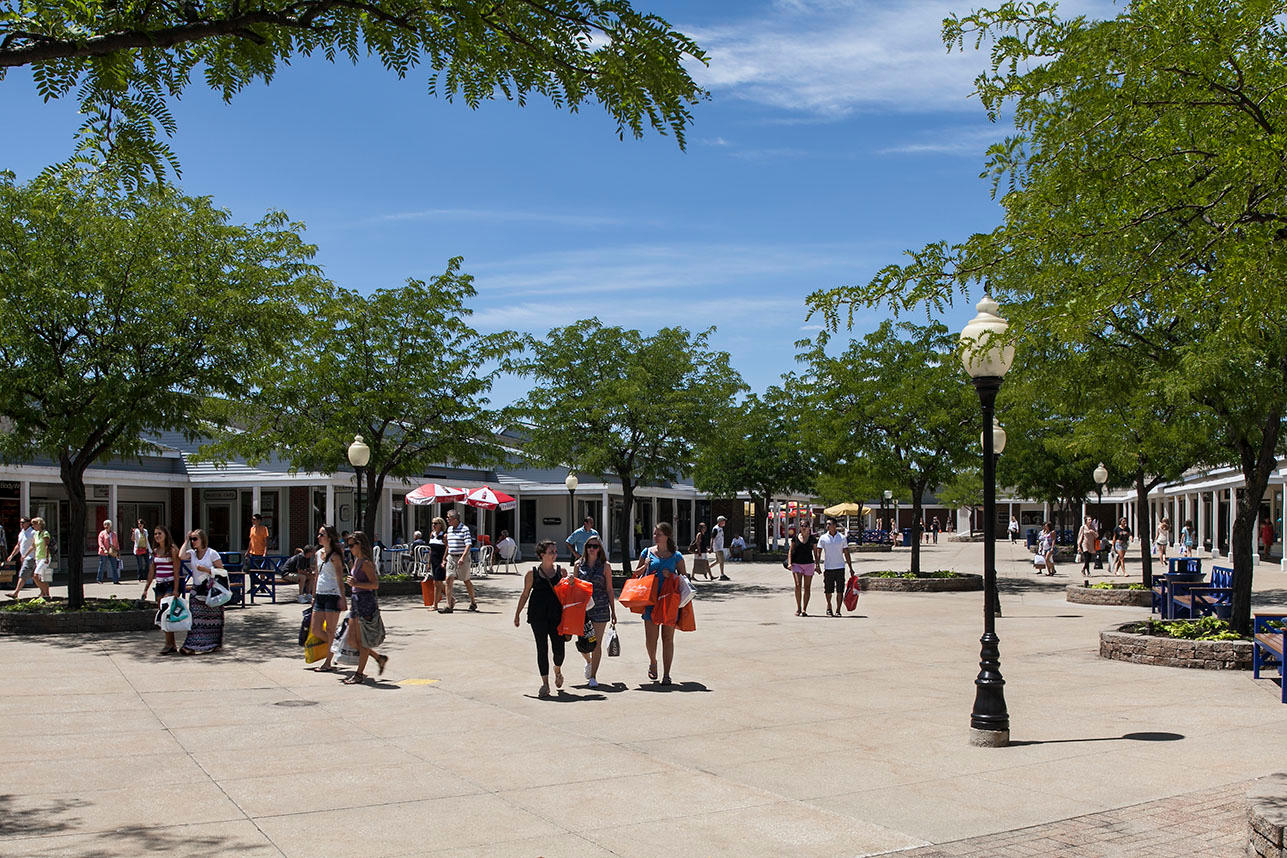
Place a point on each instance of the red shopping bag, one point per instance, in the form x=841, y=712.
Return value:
x=687, y=619
x=575, y=595
x=638, y=593
x=852, y=590
x=665, y=612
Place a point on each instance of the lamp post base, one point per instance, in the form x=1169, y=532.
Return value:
x=989, y=738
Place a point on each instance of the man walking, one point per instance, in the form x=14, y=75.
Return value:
x=25, y=552
x=717, y=544
x=257, y=552
x=833, y=551
x=576, y=539
x=459, y=541
x=109, y=552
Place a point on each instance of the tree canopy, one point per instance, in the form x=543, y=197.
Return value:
x=124, y=61
x=112, y=314
x=610, y=400
x=401, y=367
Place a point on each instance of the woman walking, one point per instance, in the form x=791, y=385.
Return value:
x=139, y=538
x=1046, y=547
x=366, y=628
x=1087, y=539
x=206, y=634
x=697, y=548
x=802, y=560
x=1188, y=540
x=1121, y=541
x=662, y=561
x=160, y=575
x=544, y=612
x=328, y=593
x=1163, y=539
x=40, y=550
x=438, y=560
x=1014, y=529
x=596, y=569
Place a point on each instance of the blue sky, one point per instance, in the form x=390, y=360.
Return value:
x=838, y=134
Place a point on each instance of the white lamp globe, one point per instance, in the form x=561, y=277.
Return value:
x=983, y=348
x=359, y=452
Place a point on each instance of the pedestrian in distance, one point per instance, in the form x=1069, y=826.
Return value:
x=1087, y=538
x=934, y=529
x=139, y=537
x=1268, y=536
x=109, y=553
x=43, y=549
x=328, y=594
x=1046, y=547
x=301, y=566
x=1121, y=541
x=366, y=626
x=459, y=541
x=438, y=560
x=544, y=613
x=718, y=535
x=1014, y=529
x=803, y=559
x=737, y=549
x=24, y=555
x=161, y=576
x=257, y=550
x=833, y=548
x=697, y=548
x=662, y=561
x=594, y=567
x=206, y=634
x=1163, y=538
x=576, y=539
x=1188, y=540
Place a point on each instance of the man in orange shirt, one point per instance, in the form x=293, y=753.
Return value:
x=258, y=549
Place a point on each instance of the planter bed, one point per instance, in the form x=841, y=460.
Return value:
x=1124, y=643
x=962, y=582
x=872, y=547
x=76, y=622
x=1119, y=596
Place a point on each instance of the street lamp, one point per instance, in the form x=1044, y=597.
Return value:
x=571, y=482
x=1101, y=477
x=359, y=455
x=884, y=512
x=987, y=358
x=998, y=447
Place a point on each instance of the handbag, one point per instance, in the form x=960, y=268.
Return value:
x=687, y=619
x=614, y=641
x=162, y=608
x=305, y=621
x=574, y=595
x=638, y=593
x=666, y=610
x=340, y=649
x=219, y=594
x=315, y=648
x=686, y=591
x=852, y=589
x=587, y=641
x=177, y=617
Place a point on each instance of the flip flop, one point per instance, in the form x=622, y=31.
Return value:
x=355, y=679
x=381, y=661
x=652, y=672
x=325, y=668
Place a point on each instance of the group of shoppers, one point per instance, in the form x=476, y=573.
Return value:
x=33, y=556
x=809, y=555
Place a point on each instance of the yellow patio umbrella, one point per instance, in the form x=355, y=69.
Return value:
x=847, y=509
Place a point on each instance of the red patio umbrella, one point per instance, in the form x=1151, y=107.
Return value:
x=485, y=498
x=434, y=493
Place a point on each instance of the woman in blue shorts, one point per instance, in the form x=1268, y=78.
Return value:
x=661, y=561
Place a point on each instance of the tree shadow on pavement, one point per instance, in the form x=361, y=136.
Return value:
x=40, y=817
x=1033, y=584
x=723, y=591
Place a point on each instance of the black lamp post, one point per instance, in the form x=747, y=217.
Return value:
x=998, y=447
x=359, y=455
x=987, y=358
x=884, y=512
x=1101, y=477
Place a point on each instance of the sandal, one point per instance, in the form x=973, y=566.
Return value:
x=168, y=650
x=797, y=612
x=558, y=678
x=829, y=614
x=325, y=668
x=665, y=680
x=381, y=660
x=652, y=671
x=355, y=679
x=544, y=693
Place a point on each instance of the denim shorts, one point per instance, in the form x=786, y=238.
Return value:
x=326, y=602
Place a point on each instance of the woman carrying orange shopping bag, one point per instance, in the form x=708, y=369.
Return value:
x=544, y=613
x=664, y=563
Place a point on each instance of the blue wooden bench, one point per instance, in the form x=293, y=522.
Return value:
x=263, y=578
x=1270, y=639
x=1181, y=570
x=236, y=578
x=1215, y=599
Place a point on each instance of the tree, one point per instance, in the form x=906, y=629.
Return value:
x=608, y=400
x=898, y=400
x=757, y=447
x=963, y=490
x=119, y=315
x=126, y=61
x=1145, y=181
x=401, y=367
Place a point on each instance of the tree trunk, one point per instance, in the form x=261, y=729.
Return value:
x=916, y=530
x=1145, y=535
x=371, y=501
x=626, y=537
x=762, y=515
x=1257, y=464
x=73, y=480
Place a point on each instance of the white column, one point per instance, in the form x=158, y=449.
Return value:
x=112, y=493
x=605, y=524
x=187, y=511
x=1233, y=505
x=24, y=498
x=692, y=516
x=630, y=532
x=386, y=516
x=1083, y=514
x=331, y=517
x=1045, y=512
x=256, y=499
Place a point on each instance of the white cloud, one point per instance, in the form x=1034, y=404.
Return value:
x=504, y=216
x=962, y=140
x=829, y=58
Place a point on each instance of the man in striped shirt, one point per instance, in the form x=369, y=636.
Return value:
x=459, y=541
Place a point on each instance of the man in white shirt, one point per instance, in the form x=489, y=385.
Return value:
x=717, y=544
x=834, y=551
x=25, y=551
x=459, y=541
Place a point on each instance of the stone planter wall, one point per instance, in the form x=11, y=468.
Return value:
x=399, y=588
x=1119, y=597
x=77, y=623
x=1267, y=817
x=966, y=582
x=873, y=547
x=1174, y=652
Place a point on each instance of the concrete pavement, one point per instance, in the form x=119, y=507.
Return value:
x=783, y=735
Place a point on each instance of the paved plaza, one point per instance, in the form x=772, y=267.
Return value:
x=782, y=735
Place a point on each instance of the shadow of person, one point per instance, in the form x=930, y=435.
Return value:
x=674, y=686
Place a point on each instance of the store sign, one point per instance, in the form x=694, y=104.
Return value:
x=100, y=492
x=551, y=519
x=219, y=495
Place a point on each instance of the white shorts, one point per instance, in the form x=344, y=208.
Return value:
x=44, y=572
x=457, y=568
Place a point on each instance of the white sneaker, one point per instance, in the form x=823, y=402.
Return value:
x=304, y=598
x=587, y=670
x=594, y=683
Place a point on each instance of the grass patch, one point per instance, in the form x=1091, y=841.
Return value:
x=40, y=605
x=398, y=576
x=1109, y=585
x=890, y=573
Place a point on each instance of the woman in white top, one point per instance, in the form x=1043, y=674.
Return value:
x=161, y=572
x=1163, y=538
x=1014, y=529
x=328, y=594
x=206, y=634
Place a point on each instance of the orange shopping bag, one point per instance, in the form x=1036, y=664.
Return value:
x=574, y=594
x=666, y=610
x=637, y=593
x=687, y=619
